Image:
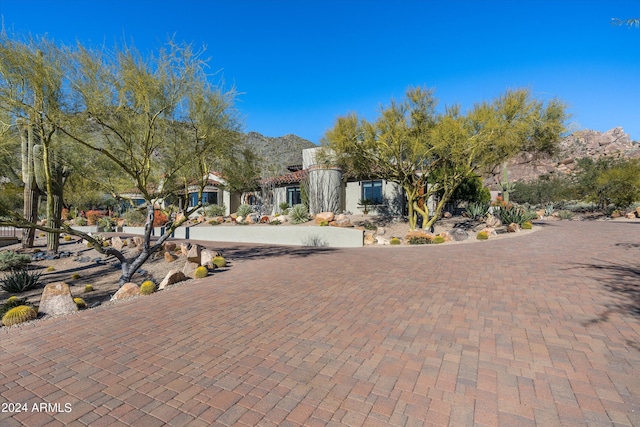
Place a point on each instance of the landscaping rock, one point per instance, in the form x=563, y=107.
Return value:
x=381, y=240
x=264, y=220
x=128, y=290
x=190, y=268
x=380, y=231
x=206, y=259
x=169, y=246
x=493, y=221
x=184, y=248
x=117, y=243
x=457, y=234
x=513, y=228
x=194, y=254
x=630, y=215
x=638, y=211
x=239, y=219
x=57, y=299
x=369, y=239
x=138, y=241
x=324, y=216
x=172, y=277
x=170, y=257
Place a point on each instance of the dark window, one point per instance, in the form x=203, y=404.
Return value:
x=293, y=196
x=208, y=198
x=372, y=191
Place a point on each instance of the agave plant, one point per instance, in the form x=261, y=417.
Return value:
x=298, y=214
x=476, y=210
x=18, y=281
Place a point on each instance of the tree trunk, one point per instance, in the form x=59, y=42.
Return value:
x=31, y=197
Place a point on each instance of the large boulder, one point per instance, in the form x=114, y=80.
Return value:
x=194, y=254
x=324, y=216
x=57, y=299
x=117, y=243
x=128, y=290
x=189, y=269
x=172, y=277
x=169, y=246
x=206, y=258
x=493, y=221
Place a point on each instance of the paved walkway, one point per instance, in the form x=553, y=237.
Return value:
x=540, y=330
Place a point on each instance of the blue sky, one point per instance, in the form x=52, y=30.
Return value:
x=298, y=65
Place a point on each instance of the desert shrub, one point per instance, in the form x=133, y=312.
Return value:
x=147, y=287
x=159, y=218
x=564, y=214
x=80, y=303
x=213, y=222
x=527, y=225
x=298, y=214
x=437, y=239
x=18, y=281
x=201, y=272
x=19, y=314
x=10, y=260
x=275, y=222
x=215, y=210
x=88, y=288
x=244, y=210
x=369, y=226
x=80, y=221
x=135, y=217
x=284, y=206
x=219, y=261
x=395, y=241
x=483, y=235
x=106, y=224
x=471, y=190
x=477, y=210
x=93, y=216
x=544, y=190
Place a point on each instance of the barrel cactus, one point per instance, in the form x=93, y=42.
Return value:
x=437, y=239
x=147, y=287
x=201, y=272
x=395, y=241
x=219, y=261
x=88, y=288
x=19, y=314
x=483, y=235
x=80, y=303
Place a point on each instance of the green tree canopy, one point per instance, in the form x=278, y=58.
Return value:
x=413, y=145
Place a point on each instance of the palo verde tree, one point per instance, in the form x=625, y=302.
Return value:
x=155, y=122
x=428, y=153
x=32, y=100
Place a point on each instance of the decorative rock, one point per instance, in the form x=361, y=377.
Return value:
x=117, y=243
x=190, y=268
x=493, y=221
x=491, y=232
x=56, y=299
x=324, y=216
x=369, y=239
x=380, y=231
x=170, y=257
x=184, y=248
x=169, y=246
x=343, y=222
x=615, y=214
x=638, y=211
x=172, y=277
x=630, y=215
x=382, y=241
x=540, y=213
x=194, y=254
x=457, y=234
x=239, y=219
x=264, y=220
x=128, y=290
x=446, y=215
x=138, y=241
x=513, y=228
x=206, y=258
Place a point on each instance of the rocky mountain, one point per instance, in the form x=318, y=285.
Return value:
x=614, y=143
x=281, y=152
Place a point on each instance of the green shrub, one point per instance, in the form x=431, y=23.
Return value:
x=147, y=287
x=80, y=303
x=106, y=224
x=370, y=226
x=564, y=214
x=10, y=260
x=395, y=241
x=283, y=207
x=201, y=272
x=483, y=235
x=18, y=281
x=215, y=210
x=19, y=314
x=135, y=217
x=298, y=214
x=219, y=261
x=80, y=221
x=244, y=210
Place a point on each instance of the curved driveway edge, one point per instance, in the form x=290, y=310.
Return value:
x=538, y=330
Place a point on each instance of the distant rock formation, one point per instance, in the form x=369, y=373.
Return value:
x=281, y=152
x=614, y=143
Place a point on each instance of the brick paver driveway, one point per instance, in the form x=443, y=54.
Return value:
x=542, y=329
